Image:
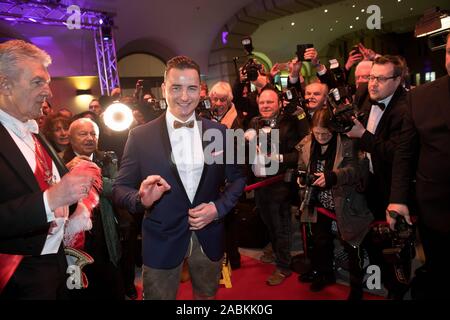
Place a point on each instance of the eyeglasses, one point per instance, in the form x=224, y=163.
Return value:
x=381, y=79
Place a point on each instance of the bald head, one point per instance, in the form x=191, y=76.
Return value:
x=83, y=136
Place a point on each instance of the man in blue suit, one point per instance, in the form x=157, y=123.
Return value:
x=185, y=190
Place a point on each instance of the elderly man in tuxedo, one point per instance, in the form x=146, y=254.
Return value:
x=168, y=171
x=35, y=195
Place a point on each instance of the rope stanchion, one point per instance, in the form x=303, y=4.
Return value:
x=264, y=183
x=331, y=215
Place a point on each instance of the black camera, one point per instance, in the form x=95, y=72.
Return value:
x=400, y=248
x=342, y=114
x=305, y=178
x=264, y=123
x=251, y=69
x=204, y=108
x=296, y=104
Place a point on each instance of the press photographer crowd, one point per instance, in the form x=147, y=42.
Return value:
x=362, y=166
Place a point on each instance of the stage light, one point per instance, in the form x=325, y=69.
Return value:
x=118, y=117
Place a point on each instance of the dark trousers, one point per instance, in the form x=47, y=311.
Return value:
x=322, y=252
x=231, y=238
x=274, y=208
x=433, y=282
x=39, y=278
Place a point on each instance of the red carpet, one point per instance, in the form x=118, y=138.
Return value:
x=249, y=283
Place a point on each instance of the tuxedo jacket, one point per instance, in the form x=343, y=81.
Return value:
x=165, y=227
x=382, y=145
x=424, y=154
x=23, y=220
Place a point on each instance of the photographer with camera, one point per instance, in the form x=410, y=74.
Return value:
x=247, y=103
x=273, y=200
x=334, y=177
x=378, y=134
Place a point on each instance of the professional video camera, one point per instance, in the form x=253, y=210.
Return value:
x=295, y=102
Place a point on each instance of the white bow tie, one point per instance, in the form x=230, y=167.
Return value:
x=24, y=128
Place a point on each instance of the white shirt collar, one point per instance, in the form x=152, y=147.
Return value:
x=21, y=129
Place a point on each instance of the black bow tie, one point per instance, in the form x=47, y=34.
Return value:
x=178, y=124
x=380, y=105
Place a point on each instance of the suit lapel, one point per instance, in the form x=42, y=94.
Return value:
x=16, y=159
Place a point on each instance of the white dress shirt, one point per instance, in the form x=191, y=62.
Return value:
x=21, y=133
x=187, y=152
x=372, y=123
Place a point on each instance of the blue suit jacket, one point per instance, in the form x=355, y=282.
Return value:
x=165, y=227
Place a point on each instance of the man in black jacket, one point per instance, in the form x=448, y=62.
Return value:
x=378, y=135
x=273, y=200
x=424, y=154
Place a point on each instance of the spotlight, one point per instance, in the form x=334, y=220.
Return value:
x=118, y=117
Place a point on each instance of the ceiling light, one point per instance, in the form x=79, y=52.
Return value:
x=312, y=29
x=354, y=5
x=331, y=29
x=351, y=27
x=357, y=18
x=337, y=21
x=362, y=10
x=326, y=10
x=292, y=23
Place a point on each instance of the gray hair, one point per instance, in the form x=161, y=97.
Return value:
x=13, y=52
x=223, y=86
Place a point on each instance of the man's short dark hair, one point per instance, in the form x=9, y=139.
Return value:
x=398, y=62
x=181, y=62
